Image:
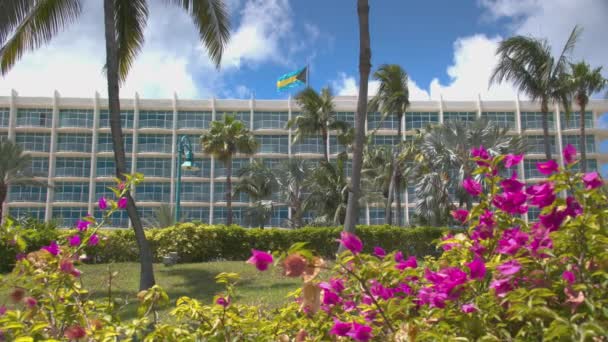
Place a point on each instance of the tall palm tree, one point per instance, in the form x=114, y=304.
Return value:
x=317, y=117
x=585, y=82
x=392, y=98
x=328, y=187
x=27, y=25
x=14, y=170
x=365, y=65
x=291, y=175
x=258, y=181
x=527, y=62
x=223, y=140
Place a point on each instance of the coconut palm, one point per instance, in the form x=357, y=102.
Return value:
x=328, y=187
x=14, y=170
x=584, y=82
x=28, y=25
x=527, y=63
x=223, y=140
x=317, y=117
x=260, y=212
x=258, y=181
x=392, y=98
x=291, y=176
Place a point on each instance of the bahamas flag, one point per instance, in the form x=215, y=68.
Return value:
x=293, y=79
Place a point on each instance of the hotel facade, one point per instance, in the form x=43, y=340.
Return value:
x=71, y=148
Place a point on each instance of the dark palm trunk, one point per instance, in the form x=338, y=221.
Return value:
x=545, y=110
x=229, y=191
x=146, y=279
x=365, y=56
x=583, y=143
x=325, y=144
x=388, y=213
x=3, y=192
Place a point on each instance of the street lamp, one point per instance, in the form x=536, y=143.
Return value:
x=184, y=147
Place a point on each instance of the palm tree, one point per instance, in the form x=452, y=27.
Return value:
x=585, y=82
x=328, y=187
x=27, y=25
x=225, y=139
x=14, y=170
x=392, y=98
x=365, y=65
x=258, y=181
x=163, y=217
x=260, y=212
x=527, y=62
x=291, y=176
x=318, y=117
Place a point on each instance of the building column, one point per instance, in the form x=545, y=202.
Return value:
x=52, y=150
x=441, y=119
x=558, y=134
x=478, y=106
x=212, y=171
x=289, y=135
x=174, y=151
x=12, y=116
x=94, y=137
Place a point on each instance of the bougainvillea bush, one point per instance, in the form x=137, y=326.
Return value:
x=501, y=279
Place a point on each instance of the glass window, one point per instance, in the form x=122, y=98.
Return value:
x=245, y=117
x=74, y=142
x=219, y=193
x=574, y=120
x=27, y=193
x=220, y=214
x=40, y=166
x=158, y=143
x=195, y=142
x=348, y=166
x=126, y=118
x=195, y=214
x=39, y=142
x=193, y=119
x=76, y=118
x=20, y=212
x=411, y=194
x=502, y=119
x=530, y=170
x=375, y=121
x=72, y=167
x=106, y=167
x=3, y=136
x=592, y=165
x=4, y=117
x=156, y=119
x=534, y=120
x=104, y=142
x=119, y=219
x=389, y=140
x=376, y=216
x=348, y=117
x=34, y=117
x=536, y=143
x=71, y=192
x=272, y=162
x=279, y=217
x=196, y=192
x=309, y=145
x=334, y=146
x=146, y=213
x=270, y=120
x=237, y=165
x=273, y=143
x=154, y=167
x=417, y=120
x=575, y=140
x=204, y=168
x=459, y=116
x=68, y=216
x=153, y=192
x=533, y=214
x=102, y=190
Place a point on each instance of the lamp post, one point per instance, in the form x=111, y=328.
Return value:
x=184, y=147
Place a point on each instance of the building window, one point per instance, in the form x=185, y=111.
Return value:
x=71, y=192
x=104, y=142
x=74, y=142
x=501, y=119
x=309, y=145
x=39, y=166
x=592, y=165
x=34, y=117
x=244, y=117
x=27, y=193
x=157, y=143
x=3, y=136
x=219, y=193
x=376, y=216
x=418, y=120
x=237, y=165
x=459, y=116
x=348, y=117
x=204, y=168
x=153, y=192
x=348, y=166
x=126, y=118
x=68, y=216
x=21, y=213
x=388, y=140
x=534, y=120
x=575, y=140
x=156, y=119
x=196, y=192
x=220, y=215
x=191, y=119
x=154, y=167
x=533, y=214
x=195, y=142
x=195, y=214
x=147, y=214
x=106, y=167
x=411, y=194
x=72, y=167
x=375, y=121
x=4, y=117
x=530, y=170
x=270, y=120
x=76, y=118
x=334, y=145
x=102, y=189
x=279, y=218
x=574, y=120
x=118, y=219
x=272, y=163
x=38, y=142
x=536, y=143
x=273, y=143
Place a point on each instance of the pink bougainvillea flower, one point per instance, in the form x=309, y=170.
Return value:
x=541, y=195
x=67, y=266
x=472, y=186
x=411, y=262
x=82, y=225
x=340, y=328
x=360, y=332
x=30, y=302
x=379, y=252
x=547, y=168
x=20, y=256
x=513, y=159
x=509, y=268
x=429, y=296
x=468, y=308
x=337, y=284
x=592, y=180
x=2, y=310
x=94, y=240
x=53, y=248
x=569, y=277
x=399, y=256
x=574, y=300
x=367, y=300
x=74, y=240
x=460, y=215
x=511, y=202
x=512, y=184
x=501, y=286
x=573, y=208
x=379, y=291
x=569, y=154
x=477, y=268
x=512, y=240
x=260, y=259
x=553, y=220
x=487, y=218
x=102, y=203
x=540, y=241
x=75, y=332
x=482, y=154
x=477, y=248
x=330, y=297
x=351, y=242
x=223, y=301
x=122, y=203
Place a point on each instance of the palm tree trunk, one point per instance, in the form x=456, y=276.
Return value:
x=583, y=142
x=146, y=279
x=3, y=192
x=229, y=191
x=545, y=110
x=388, y=212
x=326, y=145
x=365, y=56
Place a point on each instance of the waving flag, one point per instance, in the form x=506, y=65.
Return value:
x=293, y=79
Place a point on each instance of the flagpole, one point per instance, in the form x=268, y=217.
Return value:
x=307, y=74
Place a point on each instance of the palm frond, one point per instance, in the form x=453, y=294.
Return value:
x=131, y=18
x=562, y=60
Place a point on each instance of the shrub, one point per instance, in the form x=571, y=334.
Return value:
x=36, y=235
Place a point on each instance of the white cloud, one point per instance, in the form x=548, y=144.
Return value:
x=346, y=85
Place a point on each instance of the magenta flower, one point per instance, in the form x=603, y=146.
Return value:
x=260, y=259
x=468, y=308
x=337, y=284
x=487, y=218
x=223, y=301
x=379, y=252
x=351, y=242
x=82, y=225
x=472, y=186
x=540, y=241
x=30, y=302
x=541, y=195
x=93, y=240
x=399, y=256
x=20, y=256
x=592, y=180
x=511, y=202
x=512, y=240
x=2, y=310
x=501, y=286
x=513, y=159
x=429, y=296
x=74, y=240
x=547, y=168
x=512, y=184
x=553, y=220
x=122, y=202
x=482, y=154
x=569, y=277
x=53, y=248
x=378, y=290
x=102, y=203
x=573, y=208
x=478, y=268
x=340, y=328
x=460, y=215
x=360, y=332
x=569, y=154
x=411, y=262
x=509, y=268
x=331, y=298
